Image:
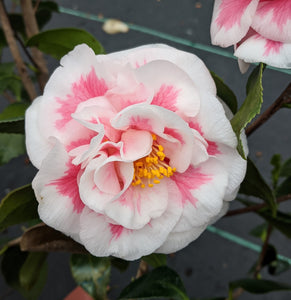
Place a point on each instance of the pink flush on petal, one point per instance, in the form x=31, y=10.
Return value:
x=231, y=12
x=68, y=186
x=281, y=10
x=272, y=47
x=89, y=87
x=190, y=180
x=137, y=122
x=116, y=231
x=212, y=148
x=166, y=97
x=175, y=134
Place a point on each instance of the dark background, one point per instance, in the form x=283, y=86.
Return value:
x=209, y=263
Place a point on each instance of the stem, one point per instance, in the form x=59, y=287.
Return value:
x=9, y=34
x=31, y=28
x=284, y=98
x=263, y=252
x=255, y=207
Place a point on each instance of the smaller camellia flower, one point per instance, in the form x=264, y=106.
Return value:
x=260, y=30
x=135, y=152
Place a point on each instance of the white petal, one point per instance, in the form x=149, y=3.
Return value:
x=259, y=49
x=231, y=20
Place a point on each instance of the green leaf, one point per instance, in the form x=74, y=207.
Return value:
x=260, y=231
x=18, y=206
x=282, y=221
x=44, y=12
x=287, y=105
x=58, y=42
x=259, y=286
x=11, y=145
x=251, y=106
x=14, y=112
x=161, y=282
x=16, y=21
x=225, y=93
x=278, y=267
x=11, y=83
x=29, y=272
x=156, y=259
x=3, y=244
x=3, y=42
x=255, y=185
x=284, y=188
x=286, y=168
x=276, y=163
x=12, y=263
x=91, y=273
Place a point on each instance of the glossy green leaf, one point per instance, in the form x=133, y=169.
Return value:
x=11, y=83
x=251, y=106
x=282, y=221
x=276, y=163
x=16, y=21
x=161, y=282
x=44, y=12
x=255, y=185
x=18, y=206
x=3, y=244
x=29, y=272
x=12, y=118
x=12, y=263
x=278, y=267
x=156, y=259
x=11, y=145
x=91, y=273
x=260, y=231
x=284, y=188
x=259, y=286
x=286, y=169
x=58, y=42
x=225, y=93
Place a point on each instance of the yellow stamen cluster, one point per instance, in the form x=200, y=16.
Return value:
x=150, y=169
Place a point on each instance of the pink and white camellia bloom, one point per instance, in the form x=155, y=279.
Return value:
x=134, y=150
x=260, y=30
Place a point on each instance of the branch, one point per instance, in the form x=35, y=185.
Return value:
x=9, y=35
x=255, y=207
x=263, y=252
x=142, y=269
x=31, y=28
x=284, y=98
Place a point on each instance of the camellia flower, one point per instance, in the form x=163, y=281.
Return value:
x=134, y=150
x=260, y=30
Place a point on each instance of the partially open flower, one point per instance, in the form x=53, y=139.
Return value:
x=134, y=150
x=260, y=30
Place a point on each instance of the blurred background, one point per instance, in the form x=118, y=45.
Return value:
x=209, y=263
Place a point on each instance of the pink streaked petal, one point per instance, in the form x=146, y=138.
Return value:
x=259, y=49
x=231, y=20
x=188, y=62
x=178, y=148
x=92, y=185
x=98, y=111
x=137, y=206
x=216, y=127
x=191, y=179
x=173, y=88
x=136, y=144
x=99, y=238
x=127, y=90
x=56, y=189
x=87, y=87
x=273, y=20
x=205, y=199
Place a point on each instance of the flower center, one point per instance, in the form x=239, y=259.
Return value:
x=150, y=169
